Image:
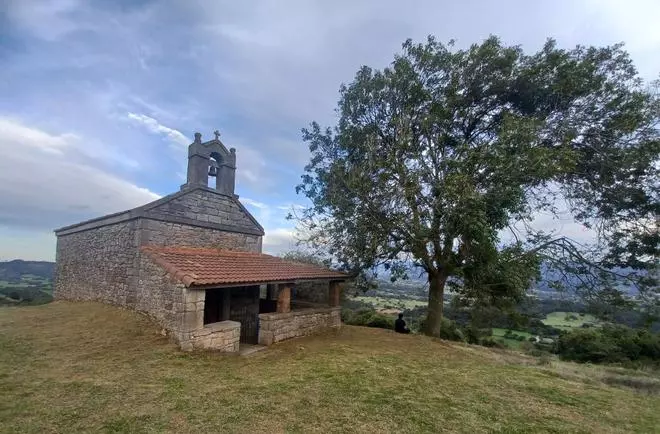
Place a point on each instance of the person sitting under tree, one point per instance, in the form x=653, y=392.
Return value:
x=400, y=325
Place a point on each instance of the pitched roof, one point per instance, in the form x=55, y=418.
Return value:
x=146, y=211
x=204, y=267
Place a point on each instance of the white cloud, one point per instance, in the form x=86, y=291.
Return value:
x=253, y=203
x=49, y=20
x=279, y=240
x=290, y=207
x=155, y=127
x=633, y=22
x=15, y=132
x=251, y=168
x=42, y=190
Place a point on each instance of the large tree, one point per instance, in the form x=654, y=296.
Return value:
x=437, y=157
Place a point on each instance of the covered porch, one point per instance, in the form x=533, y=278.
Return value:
x=233, y=298
x=270, y=312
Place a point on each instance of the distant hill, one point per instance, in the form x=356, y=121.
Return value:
x=13, y=271
x=26, y=282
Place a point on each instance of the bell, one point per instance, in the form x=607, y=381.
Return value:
x=213, y=171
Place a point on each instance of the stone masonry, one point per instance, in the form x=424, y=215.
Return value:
x=276, y=327
x=221, y=336
x=98, y=265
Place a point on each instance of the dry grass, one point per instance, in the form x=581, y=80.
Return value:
x=89, y=367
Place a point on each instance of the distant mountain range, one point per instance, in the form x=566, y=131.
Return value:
x=12, y=271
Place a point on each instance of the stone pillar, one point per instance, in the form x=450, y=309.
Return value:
x=198, y=171
x=334, y=294
x=284, y=298
x=225, y=181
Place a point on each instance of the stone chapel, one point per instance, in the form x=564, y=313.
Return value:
x=192, y=261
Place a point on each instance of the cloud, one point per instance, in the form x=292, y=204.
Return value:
x=254, y=203
x=293, y=206
x=279, y=240
x=90, y=90
x=33, y=15
x=14, y=132
x=155, y=127
x=43, y=190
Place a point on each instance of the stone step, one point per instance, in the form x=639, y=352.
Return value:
x=247, y=349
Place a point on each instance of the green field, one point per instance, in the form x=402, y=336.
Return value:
x=22, y=284
x=499, y=333
x=27, y=280
x=569, y=320
x=390, y=303
x=87, y=367
x=30, y=289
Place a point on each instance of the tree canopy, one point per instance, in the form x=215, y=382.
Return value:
x=442, y=160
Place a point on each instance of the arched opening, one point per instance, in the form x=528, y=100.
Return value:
x=214, y=169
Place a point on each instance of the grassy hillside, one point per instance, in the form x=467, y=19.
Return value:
x=87, y=367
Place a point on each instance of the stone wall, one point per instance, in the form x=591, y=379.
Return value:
x=205, y=205
x=180, y=311
x=312, y=292
x=98, y=265
x=220, y=336
x=161, y=233
x=163, y=298
x=276, y=327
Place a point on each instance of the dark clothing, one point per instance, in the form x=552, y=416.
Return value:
x=400, y=326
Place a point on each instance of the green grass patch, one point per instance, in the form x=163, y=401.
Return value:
x=87, y=367
x=569, y=320
x=499, y=333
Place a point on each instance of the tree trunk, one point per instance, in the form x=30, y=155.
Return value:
x=436, y=300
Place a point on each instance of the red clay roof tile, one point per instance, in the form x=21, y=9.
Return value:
x=204, y=266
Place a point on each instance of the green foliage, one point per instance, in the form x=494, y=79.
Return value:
x=474, y=335
x=609, y=344
x=491, y=343
x=438, y=153
x=367, y=318
x=450, y=331
x=29, y=295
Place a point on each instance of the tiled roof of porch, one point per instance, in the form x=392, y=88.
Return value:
x=208, y=267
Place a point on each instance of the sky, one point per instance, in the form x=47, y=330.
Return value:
x=100, y=99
